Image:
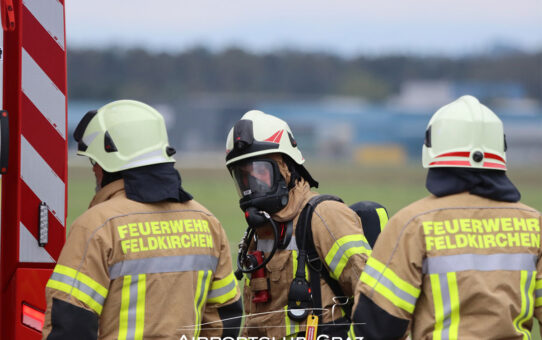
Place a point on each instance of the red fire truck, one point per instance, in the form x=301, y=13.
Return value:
x=33, y=160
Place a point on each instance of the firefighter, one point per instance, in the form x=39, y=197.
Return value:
x=463, y=263
x=267, y=167
x=145, y=260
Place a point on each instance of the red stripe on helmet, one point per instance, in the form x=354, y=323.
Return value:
x=455, y=154
x=494, y=156
x=494, y=165
x=275, y=138
x=272, y=138
x=450, y=163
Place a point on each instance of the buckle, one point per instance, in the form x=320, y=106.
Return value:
x=310, y=263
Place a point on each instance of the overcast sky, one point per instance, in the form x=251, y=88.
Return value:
x=346, y=27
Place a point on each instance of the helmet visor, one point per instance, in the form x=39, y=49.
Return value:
x=254, y=177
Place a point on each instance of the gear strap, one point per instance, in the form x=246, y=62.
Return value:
x=305, y=244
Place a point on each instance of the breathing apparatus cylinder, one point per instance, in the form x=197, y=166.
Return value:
x=263, y=294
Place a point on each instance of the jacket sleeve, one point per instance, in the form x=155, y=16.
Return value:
x=538, y=288
x=78, y=287
x=223, y=310
x=339, y=240
x=390, y=283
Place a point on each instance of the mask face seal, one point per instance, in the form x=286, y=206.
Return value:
x=260, y=184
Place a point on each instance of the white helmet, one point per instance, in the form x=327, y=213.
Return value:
x=465, y=134
x=122, y=135
x=259, y=134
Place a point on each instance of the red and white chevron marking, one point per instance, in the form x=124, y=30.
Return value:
x=43, y=129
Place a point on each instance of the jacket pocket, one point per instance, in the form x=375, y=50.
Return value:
x=276, y=268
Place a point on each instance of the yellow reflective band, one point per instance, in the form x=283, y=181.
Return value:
x=225, y=297
x=342, y=250
x=390, y=275
x=383, y=217
x=223, y=282
x=538, y=293
x=124, y=306
x=294, y=262
x=351, y=333
x=527, y=288
x=76, y=293
x=292, y=327
x=196, y=298
x=202, y=287
x=439, y=309
x=223, y=290
x=454, y=303
x=81, y=277
x=287, y=320
x=387, y=293
x=140, y=307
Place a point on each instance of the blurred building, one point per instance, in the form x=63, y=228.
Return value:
x=349, y=129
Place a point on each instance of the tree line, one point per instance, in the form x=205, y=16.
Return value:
x=119, y=73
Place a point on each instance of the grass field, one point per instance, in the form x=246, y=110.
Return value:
x=392, y=187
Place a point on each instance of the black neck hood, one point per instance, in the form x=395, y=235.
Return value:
x=492, y=184
x=154, y=183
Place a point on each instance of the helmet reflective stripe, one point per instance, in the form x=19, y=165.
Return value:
x=122, y=135
x=259, y=134
x=466, y=134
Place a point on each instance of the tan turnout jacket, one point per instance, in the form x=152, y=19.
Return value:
x=147, y=270
x=459, y=267
x=339, y=241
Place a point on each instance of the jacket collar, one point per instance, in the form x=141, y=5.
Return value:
x=107, y=192
x=297, y=197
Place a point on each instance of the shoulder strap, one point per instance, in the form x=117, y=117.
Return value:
x=305, y=244
x=374, y=217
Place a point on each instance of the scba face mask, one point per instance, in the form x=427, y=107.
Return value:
x=260, y=185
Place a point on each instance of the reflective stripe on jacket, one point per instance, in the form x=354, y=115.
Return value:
x=460, y=267
x=343, y=249
x=155, y=270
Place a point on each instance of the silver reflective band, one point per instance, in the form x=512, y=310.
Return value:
x=446, y=305
x=70, y=281
x=538, y=293
x=343, y=248
x=132, y=308
x=462, y=262
x=266, y=245
x=384, y=281
x=202, y=290
x=163, y=265
x=221, y=291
